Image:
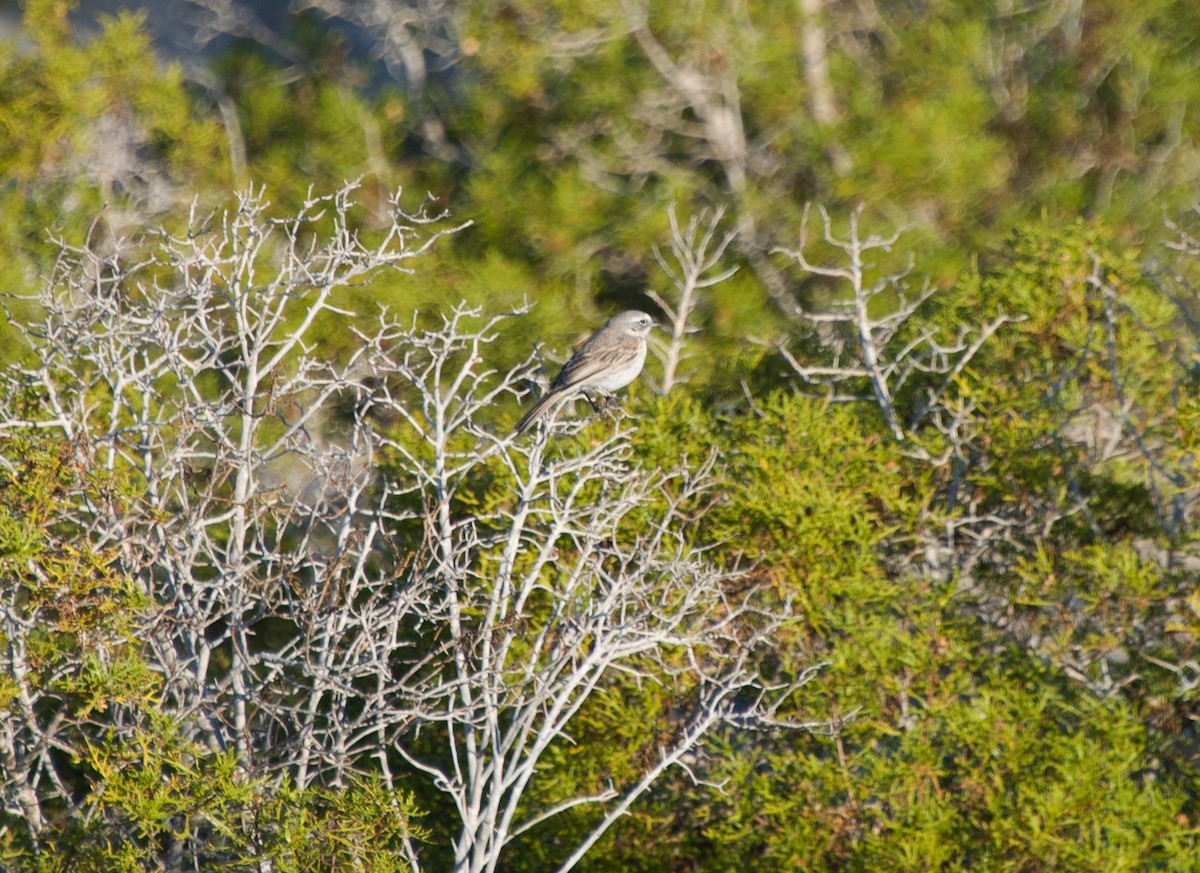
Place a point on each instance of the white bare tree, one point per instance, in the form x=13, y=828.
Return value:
x=875, y=310
x=697, y=252
x=351, y=571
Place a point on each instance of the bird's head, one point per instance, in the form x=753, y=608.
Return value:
x=634, y=322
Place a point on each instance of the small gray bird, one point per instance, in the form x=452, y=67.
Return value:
x=610, y=359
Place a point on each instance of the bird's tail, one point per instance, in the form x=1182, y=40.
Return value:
x=539, y=409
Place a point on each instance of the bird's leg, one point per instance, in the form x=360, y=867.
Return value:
x=605, y=402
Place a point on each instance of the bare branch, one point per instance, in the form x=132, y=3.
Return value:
x=696, y=252
x=876, y=309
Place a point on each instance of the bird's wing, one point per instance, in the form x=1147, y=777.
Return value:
x=589, y=362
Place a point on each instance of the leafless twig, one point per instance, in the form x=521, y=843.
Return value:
x=697, y=252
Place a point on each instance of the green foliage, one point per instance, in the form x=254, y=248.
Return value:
x=312, y=129
x=1016, y=771
x=961, y=118
x=159, y=799
x=83, y=126
x=953, y=749
x=73, y=597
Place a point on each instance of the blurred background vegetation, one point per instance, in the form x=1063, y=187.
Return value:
x=1009, y=606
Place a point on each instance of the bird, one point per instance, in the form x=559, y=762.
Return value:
x=611, y=358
